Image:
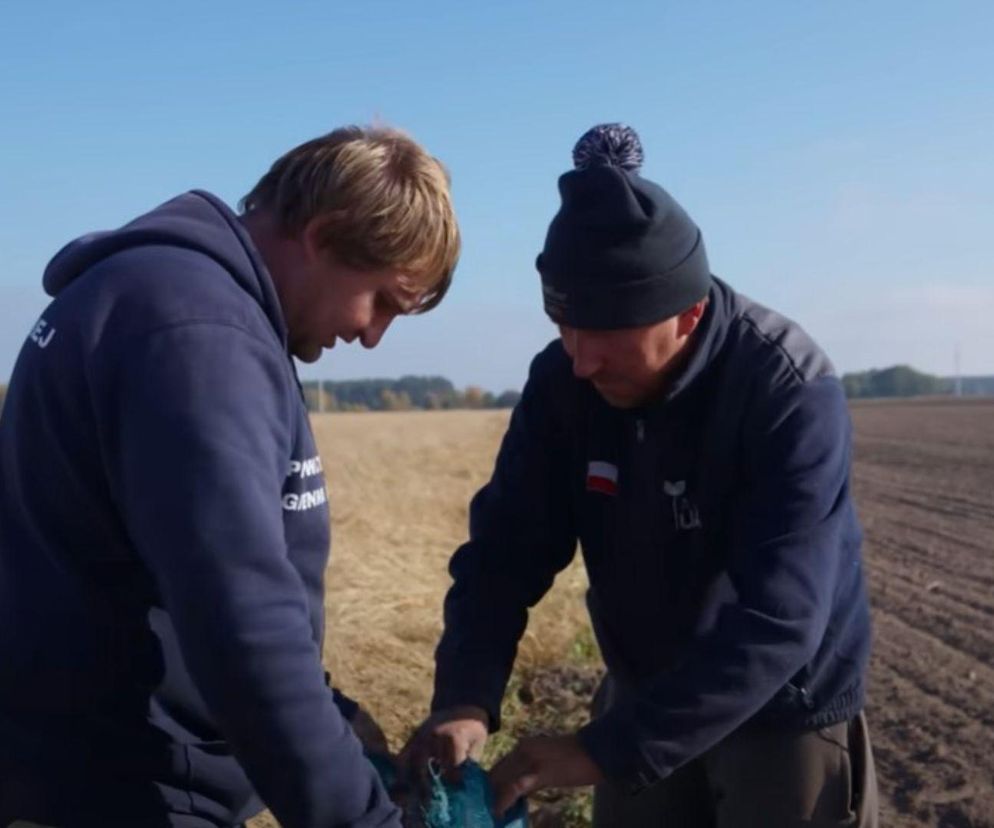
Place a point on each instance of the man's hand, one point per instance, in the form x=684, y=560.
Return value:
x=370, y=734
x=541, y=762
x=450, y=737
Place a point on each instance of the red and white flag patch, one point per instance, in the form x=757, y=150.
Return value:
x=602, y=477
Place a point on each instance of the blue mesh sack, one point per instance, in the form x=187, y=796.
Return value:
x=467, y=803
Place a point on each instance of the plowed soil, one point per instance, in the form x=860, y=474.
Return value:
x=924, y=482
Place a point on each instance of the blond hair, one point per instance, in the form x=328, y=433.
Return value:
x=384, y=203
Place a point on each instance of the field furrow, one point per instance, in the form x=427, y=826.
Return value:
x=924, y=483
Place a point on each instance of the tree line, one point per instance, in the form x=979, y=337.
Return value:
x=404, y=394
x=904, y=381
x=438, y=393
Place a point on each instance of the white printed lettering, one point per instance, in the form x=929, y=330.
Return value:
x=40, y=336
x=305, y=468
x=304, y=501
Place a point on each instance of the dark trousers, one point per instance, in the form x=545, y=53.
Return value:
x=755, y=778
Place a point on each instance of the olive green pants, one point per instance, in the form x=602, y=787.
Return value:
x=755, y=779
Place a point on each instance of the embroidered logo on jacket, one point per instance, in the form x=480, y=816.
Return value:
x=602, y=477
x=685, y=514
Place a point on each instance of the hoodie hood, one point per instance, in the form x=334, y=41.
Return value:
x=196, y=220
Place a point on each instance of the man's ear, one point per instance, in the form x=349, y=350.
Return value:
x=688, y=321
x=314, y=239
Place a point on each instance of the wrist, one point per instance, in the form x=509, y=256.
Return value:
x=464, y=711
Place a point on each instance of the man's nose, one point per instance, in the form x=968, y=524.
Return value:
x=586, y=361
x=373, y=332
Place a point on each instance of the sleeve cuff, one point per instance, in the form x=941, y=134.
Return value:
x=459, y=700
x=613, y=747
x=462, y=696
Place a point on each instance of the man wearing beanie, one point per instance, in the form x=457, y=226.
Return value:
x=697, y=445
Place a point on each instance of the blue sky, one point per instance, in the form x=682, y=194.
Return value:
x=836, y=155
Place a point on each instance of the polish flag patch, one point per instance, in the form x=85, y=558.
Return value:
x=602, y=477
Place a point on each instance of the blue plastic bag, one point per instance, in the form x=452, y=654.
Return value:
x=464, y=804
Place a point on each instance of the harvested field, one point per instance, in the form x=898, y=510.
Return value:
x=400, y=486
x=924, y=477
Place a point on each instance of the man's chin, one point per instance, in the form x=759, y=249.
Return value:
x=307, y=353
x=617, y=399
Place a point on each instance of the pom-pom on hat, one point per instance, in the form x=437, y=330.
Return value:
x=620, y=252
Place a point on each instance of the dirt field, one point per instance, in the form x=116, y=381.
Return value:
x=924, y=478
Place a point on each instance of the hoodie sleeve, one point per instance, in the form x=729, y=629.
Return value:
x=786, y=559
x=198, y=445
x=521, y=534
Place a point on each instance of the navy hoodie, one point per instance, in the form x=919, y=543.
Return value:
x=163, y=539
x=719, y=536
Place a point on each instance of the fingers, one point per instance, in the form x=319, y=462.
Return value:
x=506, y=797
x=426, y=748
x=542, y=762
x=514, y=776
x=412, y=761
x=441, y=745
x=448, y=753
x=476, y=741
x=449, y=750
x=450, y=743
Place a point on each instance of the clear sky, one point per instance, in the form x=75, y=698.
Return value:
x=838, y=156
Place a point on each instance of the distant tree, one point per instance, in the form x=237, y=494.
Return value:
x=473, y=396
x=507, y=399
x=430, y=393
x=896, y=381
x=3, y=395
x=425, y=392
x=394, y=400
x=310, y=395
x=854, y=385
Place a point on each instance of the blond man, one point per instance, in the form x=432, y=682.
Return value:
x=163, y=517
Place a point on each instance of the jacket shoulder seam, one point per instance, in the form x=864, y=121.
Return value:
x=795, y=371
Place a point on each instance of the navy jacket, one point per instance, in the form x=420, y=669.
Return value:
x=718, y=533
x=163, y=540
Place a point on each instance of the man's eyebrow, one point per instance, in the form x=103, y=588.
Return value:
x=407, y=301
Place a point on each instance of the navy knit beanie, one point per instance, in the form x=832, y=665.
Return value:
x=620, y=252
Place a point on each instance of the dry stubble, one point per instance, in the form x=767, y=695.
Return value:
x=400, y=486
